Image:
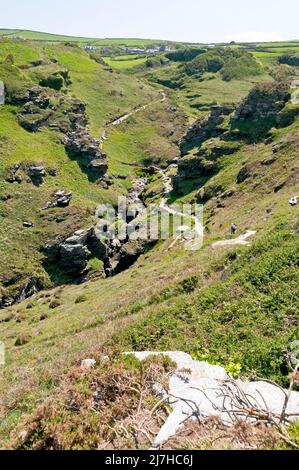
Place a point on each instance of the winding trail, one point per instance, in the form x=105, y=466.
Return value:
x=193, y=238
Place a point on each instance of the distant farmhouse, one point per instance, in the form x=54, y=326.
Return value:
x=133, y=50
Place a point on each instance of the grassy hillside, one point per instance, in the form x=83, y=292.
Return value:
x=107, y=95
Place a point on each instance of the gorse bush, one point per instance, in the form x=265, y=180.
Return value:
x=240, y=67
x=185, y=55
x=232, y=64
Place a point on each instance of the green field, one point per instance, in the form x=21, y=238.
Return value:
x=125, y=62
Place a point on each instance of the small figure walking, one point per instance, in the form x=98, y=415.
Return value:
x=233, y=229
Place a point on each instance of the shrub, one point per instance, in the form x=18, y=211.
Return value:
x=240, y=67
x=54, y=304
x=55, y=82
x=189, y=284
x=289, y=59
x=80, y=299
x=185, y=55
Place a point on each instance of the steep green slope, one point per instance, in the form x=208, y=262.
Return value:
x=107, y=95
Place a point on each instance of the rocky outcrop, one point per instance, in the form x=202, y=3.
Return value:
x=248, y=171
x=80, y=144
x=37, y=174
x=67, y=116
x=193, y=166
x=73, y=258
x=25, y=289
x=13, y=176
x=204, y=163
x=265, y=100
x=73, y=253
x=123, y=256
x=60, y=199
x=56, y=80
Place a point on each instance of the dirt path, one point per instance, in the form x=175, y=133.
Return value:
x=123, y=118
x=193, y=238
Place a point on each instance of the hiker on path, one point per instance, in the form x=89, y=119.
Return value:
x=233, y=229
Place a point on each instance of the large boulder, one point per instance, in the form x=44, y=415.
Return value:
x=75, y=251
x=80, y=237
x=73, y=257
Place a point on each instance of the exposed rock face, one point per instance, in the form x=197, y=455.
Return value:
x=2, y=93
x=37, y=110
x=74, y=257
x=123, y=256
x=205, y=128
x=193, y=166
x=13, y=176
x=63, y=199
x=68, y=116
x=80, y=144
x=264, y=100
x=204, y=163
x=247, y=171
x=25, y=290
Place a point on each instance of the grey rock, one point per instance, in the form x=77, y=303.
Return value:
x=74, y=257
x=263, y=101
x=63, y=199
x=206, y=390
x=80, y=237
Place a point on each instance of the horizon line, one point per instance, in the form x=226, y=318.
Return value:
x=134, y=38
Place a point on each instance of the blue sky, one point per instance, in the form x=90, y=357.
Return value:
x=182, y=20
